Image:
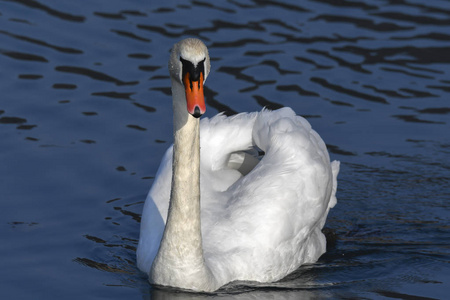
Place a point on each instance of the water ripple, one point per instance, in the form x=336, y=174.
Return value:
x=389, y=93
x=23, y=56
x=351, y=4
x=425, y=8
x=436, y=36
x=417, y=19
x=265, y=3
x=395, y=70
x=319, y=39
x=93, y=74
x=362, y=23
x=238, y=74
x=114, y=95
x=298, y=89
x=130, y=35
x=353, y=66
x=214, y=7
x=42, y=43
x=323, y=82
x=418, y=55
x=53, y=12
x=120, y=15
x=414, y=119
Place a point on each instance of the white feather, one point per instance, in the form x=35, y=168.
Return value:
x=257, y=227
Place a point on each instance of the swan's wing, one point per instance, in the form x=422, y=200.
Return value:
x=222, y=139
x=226, y=145
x=222, y=136
x=272, y=220
x=273, y=214
x=154, y=214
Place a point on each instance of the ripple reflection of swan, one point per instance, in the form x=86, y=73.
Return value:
x=259, y=220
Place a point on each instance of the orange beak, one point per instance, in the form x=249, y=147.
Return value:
x=195, y=98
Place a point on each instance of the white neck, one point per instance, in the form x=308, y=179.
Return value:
x=180, y=261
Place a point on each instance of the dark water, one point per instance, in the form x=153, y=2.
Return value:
x=85, y=116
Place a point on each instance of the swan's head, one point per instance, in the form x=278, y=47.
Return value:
x=189, y=65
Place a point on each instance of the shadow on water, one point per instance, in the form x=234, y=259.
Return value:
x=86, y=116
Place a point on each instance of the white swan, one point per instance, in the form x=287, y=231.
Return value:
x=257, y=227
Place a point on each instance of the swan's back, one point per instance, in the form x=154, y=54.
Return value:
x=263, y=225
x=272, y=220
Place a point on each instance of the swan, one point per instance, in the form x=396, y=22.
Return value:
x=218, y=213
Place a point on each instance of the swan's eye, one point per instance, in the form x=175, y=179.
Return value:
x=194, y=71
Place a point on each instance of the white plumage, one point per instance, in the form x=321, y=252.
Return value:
x=260, y=219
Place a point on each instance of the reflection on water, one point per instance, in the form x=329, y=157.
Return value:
x=242, y=295
x=85, y=117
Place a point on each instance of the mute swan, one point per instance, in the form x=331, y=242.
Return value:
x=259, y=220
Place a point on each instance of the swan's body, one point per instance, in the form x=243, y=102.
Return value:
x=257, y=227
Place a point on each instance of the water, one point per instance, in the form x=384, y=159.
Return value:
x=85, y=116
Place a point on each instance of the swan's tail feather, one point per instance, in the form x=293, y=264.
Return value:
x=335, y=166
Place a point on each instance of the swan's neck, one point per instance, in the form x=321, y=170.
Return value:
x=180, y=261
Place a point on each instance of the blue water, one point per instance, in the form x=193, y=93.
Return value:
x=85, y=117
